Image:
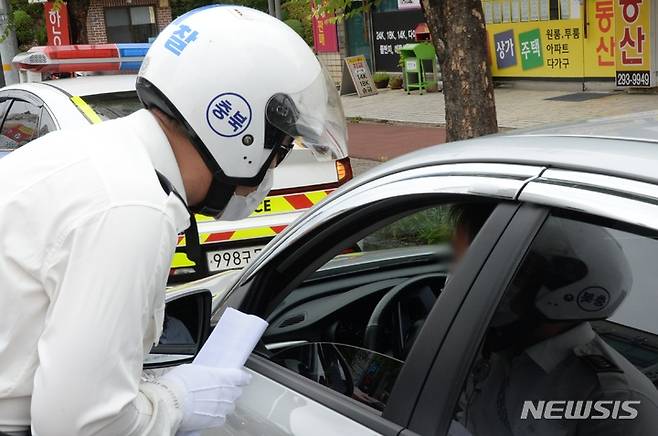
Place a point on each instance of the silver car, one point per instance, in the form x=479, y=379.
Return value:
x=559, y=280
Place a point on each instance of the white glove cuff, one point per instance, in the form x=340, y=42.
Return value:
x=169, y=392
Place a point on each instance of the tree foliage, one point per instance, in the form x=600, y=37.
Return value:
x=27, y=21
x=299, y=10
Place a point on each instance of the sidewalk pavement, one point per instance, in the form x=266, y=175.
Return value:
x=515, y=108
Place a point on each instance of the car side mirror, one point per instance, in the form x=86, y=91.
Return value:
x=185, y=329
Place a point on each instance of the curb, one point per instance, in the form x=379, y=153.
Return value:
x=359, y=120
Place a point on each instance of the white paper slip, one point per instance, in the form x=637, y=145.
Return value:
x=232, y=340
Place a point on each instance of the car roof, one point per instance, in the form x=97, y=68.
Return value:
x=640, y=126
x=92, y=85
x=620, y=146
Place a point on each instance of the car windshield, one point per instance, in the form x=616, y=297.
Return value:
x=114, y=105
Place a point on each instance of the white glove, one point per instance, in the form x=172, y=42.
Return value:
x=210, y=393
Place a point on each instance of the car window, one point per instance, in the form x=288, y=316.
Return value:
x=114, y=105
x=20, y=125
x=572, y=347
x=352, y=323
x=46, y=123
x=428, y=227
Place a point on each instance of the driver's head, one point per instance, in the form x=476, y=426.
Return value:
x=573, y=272
x=467, y=219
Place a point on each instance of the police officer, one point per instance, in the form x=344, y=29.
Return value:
x=541, y=348
x=88, y=232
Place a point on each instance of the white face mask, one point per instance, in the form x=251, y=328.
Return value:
x=240, y=207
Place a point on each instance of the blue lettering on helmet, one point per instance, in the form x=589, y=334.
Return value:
x=180, y=39
x=228, y=114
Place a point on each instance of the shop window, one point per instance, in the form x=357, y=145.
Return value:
x=514, y=11
x=554, y=10
x=130, y=24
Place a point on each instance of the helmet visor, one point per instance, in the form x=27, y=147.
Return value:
x=314, y=116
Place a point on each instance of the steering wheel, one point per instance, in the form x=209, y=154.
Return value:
x=374, y=335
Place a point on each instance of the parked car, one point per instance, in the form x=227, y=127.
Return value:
x=34, y=108
x=377, y=342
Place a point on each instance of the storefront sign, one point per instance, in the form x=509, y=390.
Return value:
x=505, y=50
x=391, y=30
x=531, y=51
x=357, y=77
x=633, y=43
x=558, y=48
x=600, y=41
x=325, y=37
x=57, y=23
x=537, y=49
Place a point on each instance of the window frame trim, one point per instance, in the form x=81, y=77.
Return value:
x=397, y=413
x=440, y=393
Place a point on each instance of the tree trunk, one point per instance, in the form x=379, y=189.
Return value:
x=459, y=36
x=78, y=18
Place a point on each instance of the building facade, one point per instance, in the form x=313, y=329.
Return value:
x=606, y=42
x=581, y=44
x=377, y=35
x=111, y=21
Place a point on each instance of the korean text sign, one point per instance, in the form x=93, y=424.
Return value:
x=360, y=74
x=536, y=48
x=600, y=41
x=57, y=23
x=392, y=30
x=325, y=37
x=633, y=46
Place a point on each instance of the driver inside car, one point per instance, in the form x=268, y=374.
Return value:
x=541, y=347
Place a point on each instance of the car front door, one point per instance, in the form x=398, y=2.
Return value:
x=607, y=233
x=287, y=395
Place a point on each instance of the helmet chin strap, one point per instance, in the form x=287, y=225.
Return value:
x=216, y=199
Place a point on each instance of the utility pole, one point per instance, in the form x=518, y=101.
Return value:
x=8, y=45
x=270, y=7
x=277, y=8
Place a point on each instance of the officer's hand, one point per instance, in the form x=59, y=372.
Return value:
x=210, y=393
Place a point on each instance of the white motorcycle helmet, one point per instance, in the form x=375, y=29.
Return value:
x=574, y=272
x=244, y=85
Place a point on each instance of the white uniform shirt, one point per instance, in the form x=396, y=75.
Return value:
x=86, y=241
x=551, y=371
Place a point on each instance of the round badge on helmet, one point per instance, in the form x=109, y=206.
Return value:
x=593, y=299
x=228, y=114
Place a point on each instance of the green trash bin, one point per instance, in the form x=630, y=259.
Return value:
x=415, y=57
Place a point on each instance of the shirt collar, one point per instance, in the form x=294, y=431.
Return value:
x=156, y=144
x=550, y=352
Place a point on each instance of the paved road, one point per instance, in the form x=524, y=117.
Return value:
x=381, y=142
